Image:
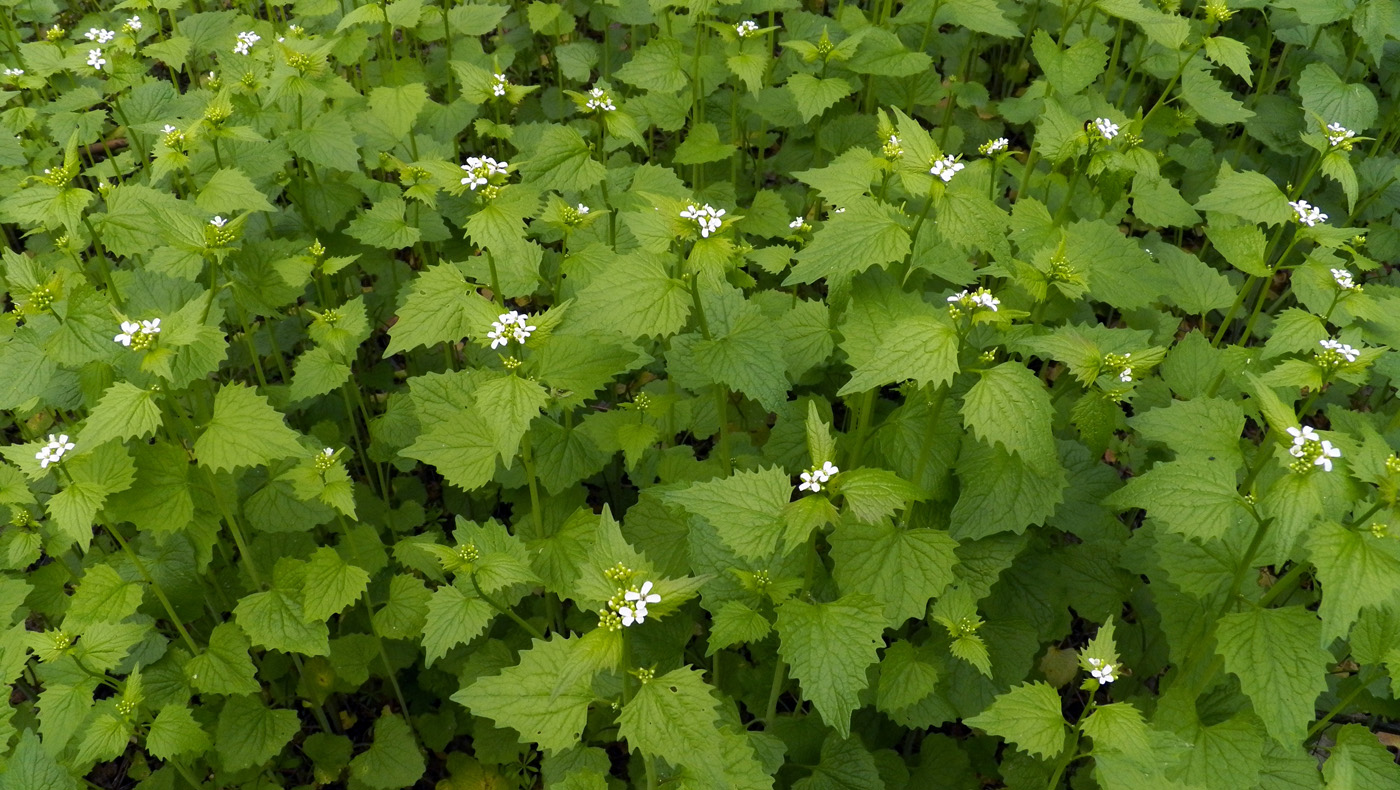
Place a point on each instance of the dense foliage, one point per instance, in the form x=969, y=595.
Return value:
x=667, y=393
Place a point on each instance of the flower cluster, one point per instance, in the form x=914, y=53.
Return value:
x=1335, y=353
x=972, y=301
x=510, y=326
x=1311, y=450
x=1121, y=363
x=893, y=148
x=946, y=168
x=573, y=217
x=173, y=137
x=1344, y=280
x=599, y=101
x=99, y=35
x=993, y=146
x=1308, y=214
x=14, y=72
x=324, y=460
x=498, y=87
x=95, y=59
x=813, y=478
x=1102, y=671
x=246, y=40
x=217, y=234
x=52, y=452
x=1107, y=129
x=479, y=170
x=138, y=335
x=1339, y=136
x=746, y=28
x=706, y=216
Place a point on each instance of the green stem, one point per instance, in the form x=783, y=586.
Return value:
x=1322, y=723
x=1067, y=755
x=155, y=587
x=775, y=690
x=529, y=629
x=532, y=479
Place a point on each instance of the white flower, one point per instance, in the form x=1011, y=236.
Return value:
x=746, y=28
x=328, y=452
x=96, y=60
x=600, y=100
x=1344, y=280
x=707, y=217
x=643, y=597
x=14, y=72
x=811, y=481
x=1338, y=134
x=53, y=451
x=945, y=168
x=633, y=614
x=1107, y=129
x=1324, y=459
x=150, y=326
x=134, y=23
x=167, y=129
x=130, y=329
x=498, y=88
x=509, y=326
x=1126, y=376
x=99, y=35
x=835, y=210
x=246, y=40
x=582, y=209
x=828, y=470
x=893, y=148
x=797, y=223
x=1308, y=214
x=992, y=146
x=1301, y=436
x=218, y=222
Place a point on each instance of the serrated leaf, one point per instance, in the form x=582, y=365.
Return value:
x=1027, y=716
x=540, y=697
x=249, y=733
x=745, y=508
x=673, y=717
x=829, y=646
x=244, y=431
x=1277, y=655
x=175, y=732
x=393, y=760
x=330, y=585
x=1010, y=407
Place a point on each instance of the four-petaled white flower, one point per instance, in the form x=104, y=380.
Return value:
x=1301, y=436
x=600, y=100
x=1107, y=129
x=632, y=614
x=167, y=129
x=14, y=72
x=130, y=329
x=1102, y=671
x=1338, y=134
x=946, y=168
x=582, y=209
x=643, y=597
x=706, y=216
x=798, y=223
x=134, y=23
x=813, y=478
x=1308, y=214
x=99, y=35
x=150, y=326
x=218, y=222
x=510, y=326
x=96, y=60
x=1344, y=280
x=1324, y=459
x=746, y=28
x=498, y=88
x=53, y=451
x=1126, y=376
x=1341, y=348
x=992, y=146
x=246, y=40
